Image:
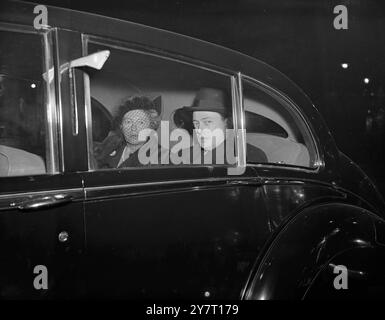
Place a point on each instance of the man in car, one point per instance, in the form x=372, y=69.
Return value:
x=211, y=117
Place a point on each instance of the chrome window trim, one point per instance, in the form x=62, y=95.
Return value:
x=279, y=166
x=59, y=106
x=152, y=51
x=165, y=182
x=7, y=26
x=88, y=110
x=74, y=102
x=230, y=181
x=240, y=122
x=126, y=46
x=319, y=161
x=88, y=119
x=51, y=138
x=53, y=160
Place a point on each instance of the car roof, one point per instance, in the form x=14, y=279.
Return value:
x=167, y=41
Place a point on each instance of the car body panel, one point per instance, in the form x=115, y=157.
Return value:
x=365, y=276
x=305, y=245
x=29, y=238
x=179, y=239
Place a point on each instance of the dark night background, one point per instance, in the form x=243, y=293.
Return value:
x=298, y=38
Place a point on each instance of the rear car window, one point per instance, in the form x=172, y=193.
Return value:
x=22, y=109
x=274, y=128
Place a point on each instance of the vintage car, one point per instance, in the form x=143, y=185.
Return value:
x=287, y=228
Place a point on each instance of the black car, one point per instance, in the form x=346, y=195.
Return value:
x=284, y=228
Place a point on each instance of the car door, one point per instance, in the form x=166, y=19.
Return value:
x=165, y=230
x=294, y=174
x=41, y=197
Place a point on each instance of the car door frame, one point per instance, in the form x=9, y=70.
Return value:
x=44, y=199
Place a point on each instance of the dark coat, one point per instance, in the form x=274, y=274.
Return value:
x=253, y=155
x=112, y=160
x=108, y=153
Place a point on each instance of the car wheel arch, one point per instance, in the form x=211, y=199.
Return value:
x=305, y=244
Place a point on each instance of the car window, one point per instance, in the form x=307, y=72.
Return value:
x=275, y=134
x=22, y=110
x=141, y=92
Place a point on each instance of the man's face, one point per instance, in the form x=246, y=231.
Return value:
x=209, y=128
x=132, y=123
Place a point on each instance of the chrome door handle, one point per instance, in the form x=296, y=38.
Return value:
x=44, y=202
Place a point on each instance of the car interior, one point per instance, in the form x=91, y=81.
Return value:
x=22, y=118
x=286, y=146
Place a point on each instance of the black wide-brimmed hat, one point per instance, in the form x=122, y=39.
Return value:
x=210, y=99
x=206, y=99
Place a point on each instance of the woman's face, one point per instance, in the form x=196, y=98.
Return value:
x=133, y=122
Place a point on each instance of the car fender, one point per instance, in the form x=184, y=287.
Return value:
x=305, y=245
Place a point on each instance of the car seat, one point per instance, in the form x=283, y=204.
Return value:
x=280, y=150
x=18, y=162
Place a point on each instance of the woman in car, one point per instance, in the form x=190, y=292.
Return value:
x=121, y=148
